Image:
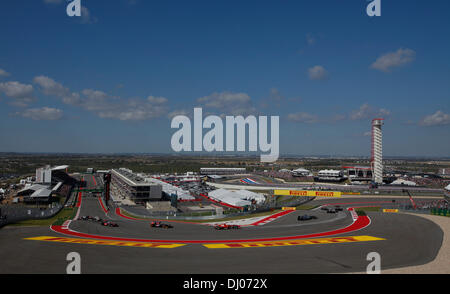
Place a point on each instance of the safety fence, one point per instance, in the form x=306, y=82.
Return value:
x=13, y=213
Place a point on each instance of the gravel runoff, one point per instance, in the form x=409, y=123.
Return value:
x=441, y=264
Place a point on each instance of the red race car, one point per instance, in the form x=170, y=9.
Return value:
x=226, y=227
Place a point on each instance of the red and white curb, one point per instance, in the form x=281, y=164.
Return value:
x=66, y=224
x=254, y=221
x=353, y=213
x=271, y=218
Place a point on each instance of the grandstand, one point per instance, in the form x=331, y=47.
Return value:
x=127, y=185
x=329, y=175
x=50, y=183
x=358, y=173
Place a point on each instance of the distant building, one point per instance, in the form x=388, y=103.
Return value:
x=36, y=193
x=126, y=184
x=222, y=171
x=377, y=151
x=329, y=175
x=301, y=172
x=445, y=172
x=44, y=175
x=49, y=175
x=358, y=173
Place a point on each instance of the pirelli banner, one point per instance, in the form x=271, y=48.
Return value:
x=307, y=193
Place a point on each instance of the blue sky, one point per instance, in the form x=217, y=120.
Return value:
x=111, y=80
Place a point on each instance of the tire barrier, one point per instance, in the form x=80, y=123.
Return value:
x=440, y=211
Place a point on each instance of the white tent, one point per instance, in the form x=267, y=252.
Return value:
x=236, y=197
x=403, y=182
x=448, y=187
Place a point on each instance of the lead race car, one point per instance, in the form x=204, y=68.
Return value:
x=109, y=224
x=226, y=227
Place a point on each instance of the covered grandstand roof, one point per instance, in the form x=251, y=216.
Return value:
x=32, y=189
x=42, y=193
x=61, y=167
x=36, y=191
x=56, y=188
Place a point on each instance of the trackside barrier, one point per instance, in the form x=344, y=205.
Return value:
x=440, y=211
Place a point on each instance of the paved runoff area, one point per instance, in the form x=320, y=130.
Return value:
x=331, y=243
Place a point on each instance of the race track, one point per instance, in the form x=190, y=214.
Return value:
x=332, y=243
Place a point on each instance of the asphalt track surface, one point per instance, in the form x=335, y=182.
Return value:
x=407, y=240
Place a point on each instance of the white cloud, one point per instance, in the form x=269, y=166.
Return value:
x=44, y=113
x=157, y=100
x=394, y=59
x=367, y=112
x=275, y=99
x=303, y=117
x=104, y=105
x=317, y=72
x=4, y=73
x=437, y=119
x=52, y=88
x=86, y=17
x=132, y=110
x=21, y=93
x=229, y=103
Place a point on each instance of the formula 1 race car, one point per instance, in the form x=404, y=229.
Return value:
x=109, y=224
x=226, y=227
x=338, y=208
x=306, y=217
x=90, y=218
x=160, y=225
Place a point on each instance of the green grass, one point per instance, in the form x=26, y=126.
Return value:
x=369, y=208
x=59, y=219
x=361, y=211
